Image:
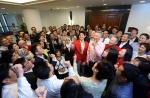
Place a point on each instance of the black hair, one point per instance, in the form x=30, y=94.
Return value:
x=4, y=69
x=41, y=69
x=146, y=35
x=58, y=50
x=135, y=30
x=146, y=45
x=33, y=49
x=112, y=55
x=54, y=31
x=130, y=71
x=82, y=26
x=70, y=89
x=120, y=31
x=44, y=27
x=82, y=33
x=21, y=31
x=105, y=30
x=4, y=73
x=41, y=33
x=126, y=34
x=32, y=28
x=144, y=64
x=105, y=70
x=26, y=32
x=115, y=27
x=20, y=61
x=64, y=30
x=128, y=55
x=6, y=56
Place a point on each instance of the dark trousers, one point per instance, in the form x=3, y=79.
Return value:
x=80, y=68
x=85, y=70
x=88, y=69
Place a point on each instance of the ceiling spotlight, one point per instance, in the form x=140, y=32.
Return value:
x=58, y=8
x=3, y=8
x=142, y=1
x=104, y=4
x=18, y=1
x=77, y=6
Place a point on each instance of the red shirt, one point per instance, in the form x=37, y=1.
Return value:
x=113, y=46
x=81, y=56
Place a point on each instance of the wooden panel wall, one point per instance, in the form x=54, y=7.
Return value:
x=109, y=15
x=108, y=18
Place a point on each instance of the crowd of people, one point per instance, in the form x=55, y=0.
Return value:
x=74, y=62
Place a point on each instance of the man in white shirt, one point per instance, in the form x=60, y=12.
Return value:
x=124, y=42
x=13, y=87
x=27, y=39
x=44, y=71
x=134, y=40
x=38, y=51
x=95, y=50
x=50, y=30
x=133, y=37
x=105, y=37
x=98, y=46
x=24, y=89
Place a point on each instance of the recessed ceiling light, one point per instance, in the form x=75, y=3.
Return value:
x=58, y=8
x=104, y=4
x=18, y=1
x=3, y=8
x=142, y=1
x=77, y=6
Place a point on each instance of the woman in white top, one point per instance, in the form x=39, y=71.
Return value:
x=97, y=83
x=142, y=50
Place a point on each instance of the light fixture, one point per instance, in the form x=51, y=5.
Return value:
x=77, y=6
x=18, y=1
x=3, y=8
x=142, y=1
x=57, y=8
x=104, y=4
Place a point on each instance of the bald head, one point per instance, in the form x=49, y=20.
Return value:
x=21, y=43
x=113, y=40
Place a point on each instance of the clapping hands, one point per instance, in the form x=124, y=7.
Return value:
x=41, y=92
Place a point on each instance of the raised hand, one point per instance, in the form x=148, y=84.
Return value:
x=17, y=68
x=67, y=64
x=41, y=92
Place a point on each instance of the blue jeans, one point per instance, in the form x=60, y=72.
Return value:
x=123, y=90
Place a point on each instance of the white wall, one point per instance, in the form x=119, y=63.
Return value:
x=139, y=17
x=32, y=19
x=60, y=17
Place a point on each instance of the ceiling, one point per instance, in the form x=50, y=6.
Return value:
x=63, y=4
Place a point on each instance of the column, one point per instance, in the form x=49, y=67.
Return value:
x=32, y=19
